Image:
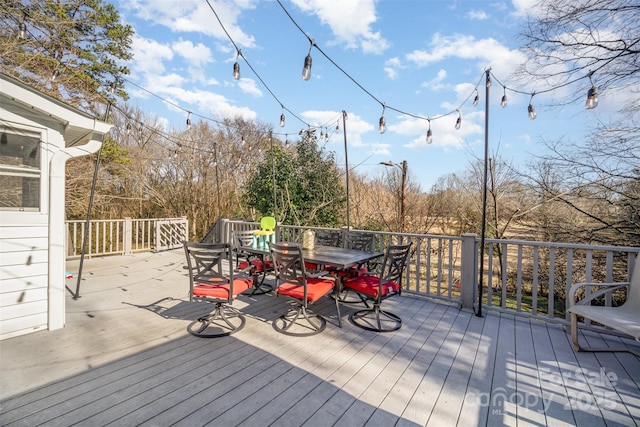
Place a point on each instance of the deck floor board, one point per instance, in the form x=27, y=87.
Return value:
x=125, y=358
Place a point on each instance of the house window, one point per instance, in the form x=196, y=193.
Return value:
x=19, y=172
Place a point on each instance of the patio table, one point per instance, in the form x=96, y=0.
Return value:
x=338, y=258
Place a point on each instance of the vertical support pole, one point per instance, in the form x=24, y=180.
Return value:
x=273, y=170
x=76, y=295
x=468, y=271
x=484, y=190
x=215, y=162
x=403, y=196
x=346, y=163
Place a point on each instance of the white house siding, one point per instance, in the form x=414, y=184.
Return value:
x=32, y=244
x=23, y=275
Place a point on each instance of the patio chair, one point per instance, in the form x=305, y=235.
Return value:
x=293, y=281
x=376, y=287
x=212, y=280
x=251, y=262
x=624, y=318
x=361, y=242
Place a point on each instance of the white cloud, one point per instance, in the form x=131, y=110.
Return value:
x=436, y=82
x=444, y=132
x=350, y=22
x=197, y=55
x=149, y=55
x=477, y=15
x=249, y=86
x=487, y=52
x=391, y=67
x=195, y=16
x=526, y=7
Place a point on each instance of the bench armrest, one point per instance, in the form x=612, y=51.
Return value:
x=608, y=287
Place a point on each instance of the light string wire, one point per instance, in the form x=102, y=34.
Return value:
x=239, y=53
x=384, y=105
x=314, y=44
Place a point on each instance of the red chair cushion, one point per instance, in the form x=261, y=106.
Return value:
x=369, y=285
x=316, y=288
x=311, y=266
x=221, y=291
x=257, y=263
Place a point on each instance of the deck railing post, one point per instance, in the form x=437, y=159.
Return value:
x=127, y=236
x=468, y=271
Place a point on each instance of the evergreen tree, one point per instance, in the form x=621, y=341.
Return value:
x=73, y=50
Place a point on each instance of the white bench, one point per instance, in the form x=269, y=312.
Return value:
x=625, y=318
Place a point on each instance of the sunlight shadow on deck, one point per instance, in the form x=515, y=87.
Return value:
x=125, y=358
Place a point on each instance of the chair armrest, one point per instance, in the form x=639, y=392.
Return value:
x=609, y=287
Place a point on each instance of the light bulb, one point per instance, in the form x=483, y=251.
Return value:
x=429, y=135
x=382, y=125
x=476, y=99
x=503, y=103
x=592, y=98
x=282, y=120
x=532, y=112
x=306, y=70
x=236, y=71
x=128, y=128
x=459, y=121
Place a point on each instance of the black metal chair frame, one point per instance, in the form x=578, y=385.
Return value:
x=205, y=262
x=327, y=238
x=391, y=270
x=242, y=239
x=288, y=263
x=361, y=242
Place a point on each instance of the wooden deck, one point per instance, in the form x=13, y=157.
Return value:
x=125, y=358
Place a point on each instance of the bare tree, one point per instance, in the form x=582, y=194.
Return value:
x=567, y=40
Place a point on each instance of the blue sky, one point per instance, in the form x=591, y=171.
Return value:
x=421, y=57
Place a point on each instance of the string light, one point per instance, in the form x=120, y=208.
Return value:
x=306, y=69
x=23, y=26
x=55, y=75
x=503, y=103
x=459, y=120
x=282, y=120
x=592, y=95
x=128, y=128
x=429, y=133
x=531, y=110
x=236, y=66
x=382, y=124
x=476, y=99
x=188, y=120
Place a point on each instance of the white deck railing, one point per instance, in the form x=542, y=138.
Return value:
x=124, y=236
x=520, y=277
